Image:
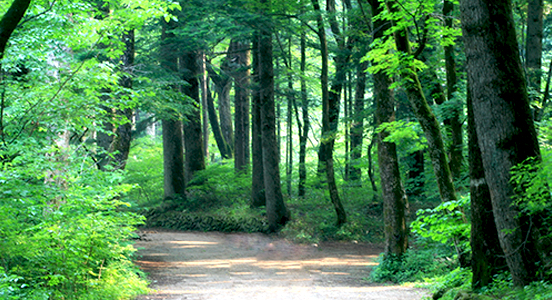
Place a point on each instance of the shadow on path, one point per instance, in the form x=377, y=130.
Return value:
x=193, y=265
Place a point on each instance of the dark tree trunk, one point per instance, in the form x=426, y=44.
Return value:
x=357, y=129
x=258, y=198
x=453, y=122
x=204, y=106
x=504, y=124
x=10, y=20
x=120, y=146
x=173, y=160
x=223, y=147
x=193, y=137
x=306, y=122
x=425, y=116
x=223, y=85
x=240, y=70
x=326, y=147
x=487, y=256
x=173, y=150
x=415, y=175
x=275, y=207
x=394, y=197
x=533, y=44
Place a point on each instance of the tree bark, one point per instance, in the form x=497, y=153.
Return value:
x=394, y=197
x=487, y=256
x=533, y=44
x=120, y=146
x=223, y=147
x=10, y=20
x=306, y=122
x=275, y=207
x=173, y=150
x=454, y=122
x=193, y=137
x=357, y=128
x=258, y=197
x=425, y=116
x=240, y=65
x=326, y=147
x=504, y=124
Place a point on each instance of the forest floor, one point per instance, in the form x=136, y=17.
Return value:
x=199, y=265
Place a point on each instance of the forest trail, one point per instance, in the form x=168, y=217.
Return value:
x=198, y=265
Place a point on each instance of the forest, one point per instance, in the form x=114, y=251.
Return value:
x=423, y=125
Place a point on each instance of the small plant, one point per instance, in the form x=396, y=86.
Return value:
x=413, y=266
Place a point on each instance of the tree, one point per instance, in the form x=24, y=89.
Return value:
x=533, y=45
x=503, y=121
x=241, y=64
x=193, y=137
x=275, y=206
x=487, y=256
x=394, y=197
x=173, y=149
x=422, y=111
x=10, y=20
x=327, y=139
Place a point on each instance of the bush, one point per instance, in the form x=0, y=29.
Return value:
x=63, y=233
x=413, y=266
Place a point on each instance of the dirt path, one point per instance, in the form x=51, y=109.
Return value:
x=190, y=265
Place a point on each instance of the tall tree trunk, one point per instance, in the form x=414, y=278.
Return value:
x=306, y=122
x=275, y=207
x=173, y=150
x=454, y=122
x=357, y=130
x=326, y=147
x=504, y=125
x=241, y=62
x=533, y=44
x=9, y=22
x=193, y=137
x=425, y=116
x=258, y=197
x=204, y=105
x=223, y=85
x=394, y=197
x=487, y=256
x=120, y=146
x=223, y=147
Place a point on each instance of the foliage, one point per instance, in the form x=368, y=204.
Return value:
x=144, y=170
x=446, y=224
x=413, y=266
x=313, y=219
x=63, y=234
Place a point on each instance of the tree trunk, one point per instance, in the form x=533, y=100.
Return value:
x=9, y=22
x=223, y=147
x=394, y=197
x=357, y=128
x=240, y=65
x=223, y=85
x=504, y=124
x=487, y=256
x=533, y=44
x=425, y=116
x=258, y=198
x=120, y=146
x=193, y=137
x=454, y=122
x=306, y=122
x=173, y=151
x=204, y=105
x=275, y=207
x=326, y=147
